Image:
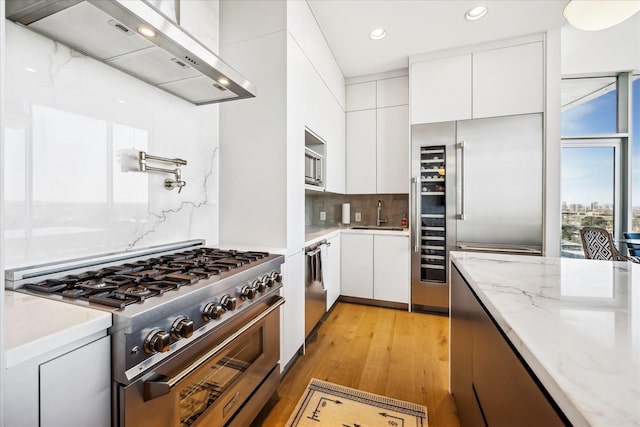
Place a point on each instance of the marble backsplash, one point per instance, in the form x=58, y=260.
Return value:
x=394, y=208
x=73, y=129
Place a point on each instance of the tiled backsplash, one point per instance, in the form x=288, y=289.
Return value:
x=394, y=208
x=73, y=129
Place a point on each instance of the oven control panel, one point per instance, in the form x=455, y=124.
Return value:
x=166, y=336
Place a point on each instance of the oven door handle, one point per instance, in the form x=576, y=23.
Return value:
x=157, y=388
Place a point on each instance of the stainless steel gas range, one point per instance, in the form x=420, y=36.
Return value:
x=196, y=330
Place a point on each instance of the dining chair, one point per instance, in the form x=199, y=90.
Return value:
x=634, y=248
x=597, y=243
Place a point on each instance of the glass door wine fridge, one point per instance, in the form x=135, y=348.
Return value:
x=432, y=225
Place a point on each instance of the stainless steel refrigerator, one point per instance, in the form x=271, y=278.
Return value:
x=476, y=186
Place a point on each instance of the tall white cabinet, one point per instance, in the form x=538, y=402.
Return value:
x=279, y=48
x=377, y=126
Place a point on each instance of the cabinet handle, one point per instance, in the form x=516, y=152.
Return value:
x=418, y=222
x=460, y=180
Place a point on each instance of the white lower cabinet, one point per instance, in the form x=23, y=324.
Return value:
x=75, y=389
x=331, y=258
x=357, y=265
x=376, y=266
x=391, y=267
x=70, y=388
x=292, y=312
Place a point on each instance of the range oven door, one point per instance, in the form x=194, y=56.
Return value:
x=208, y=383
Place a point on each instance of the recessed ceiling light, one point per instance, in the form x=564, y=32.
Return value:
x=475, y=13
x=146, y=31
x=596, y=15
x=223, y=81
x=377, y=34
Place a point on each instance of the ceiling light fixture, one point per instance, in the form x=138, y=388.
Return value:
x=476, y=13
x=223, y=81
x=593, y=15
x=146, y=31
x=377, y=34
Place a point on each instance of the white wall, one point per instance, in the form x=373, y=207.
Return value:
x=74, y=126
x=601, y=52
x=2, y=250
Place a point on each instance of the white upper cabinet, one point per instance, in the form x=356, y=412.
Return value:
x=441, y=90
x=315, y=102
x=361, y=96
x=502, y=79
x=378, y=136
x=335, y=150
x=392, y=153
x=392, y=92
x=325, y=117
x=361, y=152
x=508, y=81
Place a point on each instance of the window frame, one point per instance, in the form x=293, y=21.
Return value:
x=623, y=205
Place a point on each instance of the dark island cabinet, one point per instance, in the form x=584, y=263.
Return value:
x=489, y=382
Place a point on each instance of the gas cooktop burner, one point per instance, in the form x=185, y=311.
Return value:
x=119, y=286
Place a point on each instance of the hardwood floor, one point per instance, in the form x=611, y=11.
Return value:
x=383, y=351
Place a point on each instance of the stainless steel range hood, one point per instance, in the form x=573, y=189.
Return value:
x=110, y=31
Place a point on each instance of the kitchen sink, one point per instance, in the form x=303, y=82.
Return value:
x=375, y=227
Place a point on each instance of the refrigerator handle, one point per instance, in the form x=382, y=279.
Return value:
x=460, y=180
x=416, y=204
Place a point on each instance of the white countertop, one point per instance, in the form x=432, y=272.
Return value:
x=575, y=322
x=315, y=233
x=35, y=325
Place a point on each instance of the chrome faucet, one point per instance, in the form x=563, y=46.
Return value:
x=380, y=221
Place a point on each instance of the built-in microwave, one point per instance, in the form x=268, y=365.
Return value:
x=312, y=167
x=314, y=151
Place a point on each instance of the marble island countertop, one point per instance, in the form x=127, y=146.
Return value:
x=576, y=323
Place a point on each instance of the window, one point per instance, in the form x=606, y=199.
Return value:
x=597, y=181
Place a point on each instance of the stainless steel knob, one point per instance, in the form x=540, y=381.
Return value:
x=157, y=341
x=228, y=302
x=259, y=286
x=182, y=328
x=277, y=277
x=268, y=281
x=248, y=292
x=212, y=311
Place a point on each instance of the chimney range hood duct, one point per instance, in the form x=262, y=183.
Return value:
x=112, y=32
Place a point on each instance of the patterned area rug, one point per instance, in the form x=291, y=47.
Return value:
x=330, y=405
